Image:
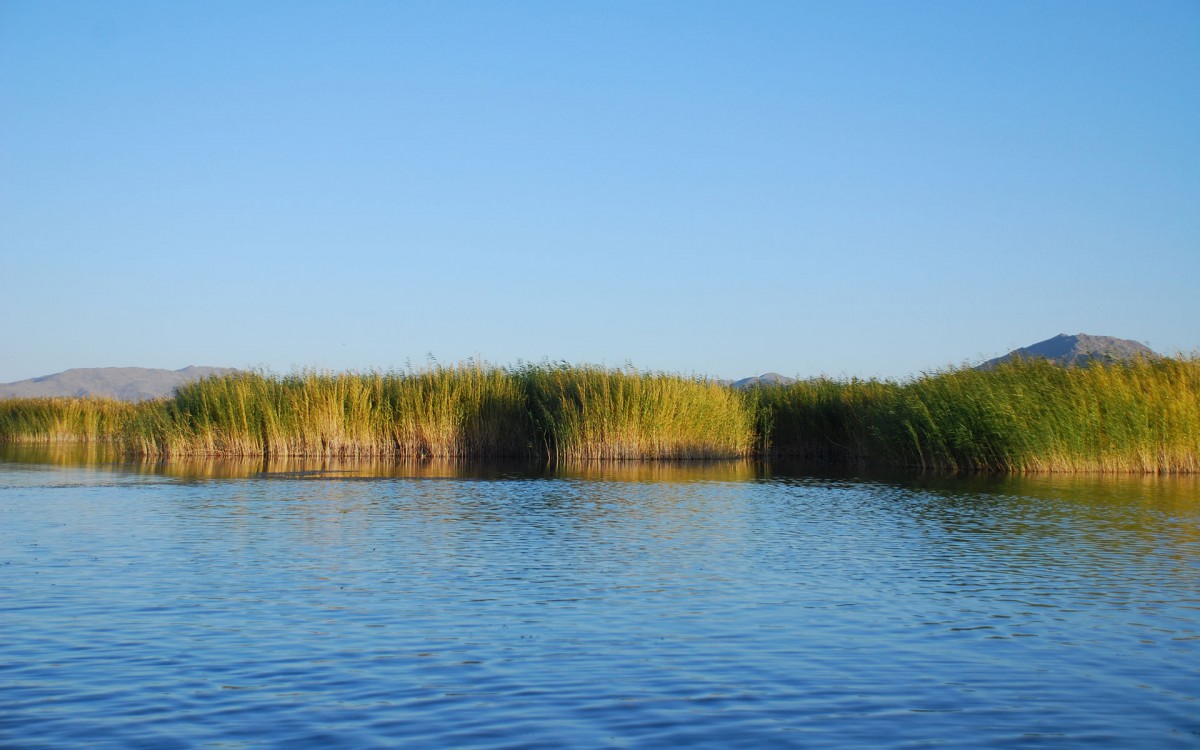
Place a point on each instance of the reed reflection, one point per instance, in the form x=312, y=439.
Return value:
x=103, y=456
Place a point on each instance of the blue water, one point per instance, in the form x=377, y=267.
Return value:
x=726, y=606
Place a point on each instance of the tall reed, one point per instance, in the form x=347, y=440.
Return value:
x=55, y=420
x=824, y=421
x=442, y=412
x=1025, y=416
x=593, y=413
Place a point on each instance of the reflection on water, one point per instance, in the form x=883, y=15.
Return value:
x=212, y=603
x=105, y=457
x=1156, y=491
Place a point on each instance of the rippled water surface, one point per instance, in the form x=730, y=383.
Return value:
x=722, y=606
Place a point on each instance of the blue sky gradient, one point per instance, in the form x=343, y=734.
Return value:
x=870, y=189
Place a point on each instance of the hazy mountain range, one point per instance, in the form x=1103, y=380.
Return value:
x=140, y=383
x=125, y=383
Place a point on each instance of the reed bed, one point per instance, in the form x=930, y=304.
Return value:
x=592, y=413
x=62, y=420
x=1023, y=416
x=437, y=413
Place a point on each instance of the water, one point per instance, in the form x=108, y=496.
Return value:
x=215, y=605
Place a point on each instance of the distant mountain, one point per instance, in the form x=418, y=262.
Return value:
x=770, y=378
x=1078, y=350
x=125, y=383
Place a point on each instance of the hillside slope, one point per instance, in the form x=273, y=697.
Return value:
x=1078, y=350
x=125, y=383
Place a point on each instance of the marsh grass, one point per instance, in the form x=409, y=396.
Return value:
x=593, y=413
x=442, y=412
x=1023, y=416
x=62, y=420
x=470, y=411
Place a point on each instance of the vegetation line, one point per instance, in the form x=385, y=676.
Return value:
x=1022, y=416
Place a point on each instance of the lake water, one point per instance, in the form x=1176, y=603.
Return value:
x=729, y=605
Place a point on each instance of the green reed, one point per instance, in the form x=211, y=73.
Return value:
x=442, y=412
x=55, y=420
x=1027, y=415
x=594, y=413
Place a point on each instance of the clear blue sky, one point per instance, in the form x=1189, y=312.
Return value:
x=714, y=188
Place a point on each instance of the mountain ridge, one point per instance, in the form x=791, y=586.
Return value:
x=1078, y=350
x=767, y=378
x=124, y=383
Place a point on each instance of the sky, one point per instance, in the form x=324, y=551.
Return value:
x=708, y=188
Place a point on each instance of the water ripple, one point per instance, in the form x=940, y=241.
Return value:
x=595, y=609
